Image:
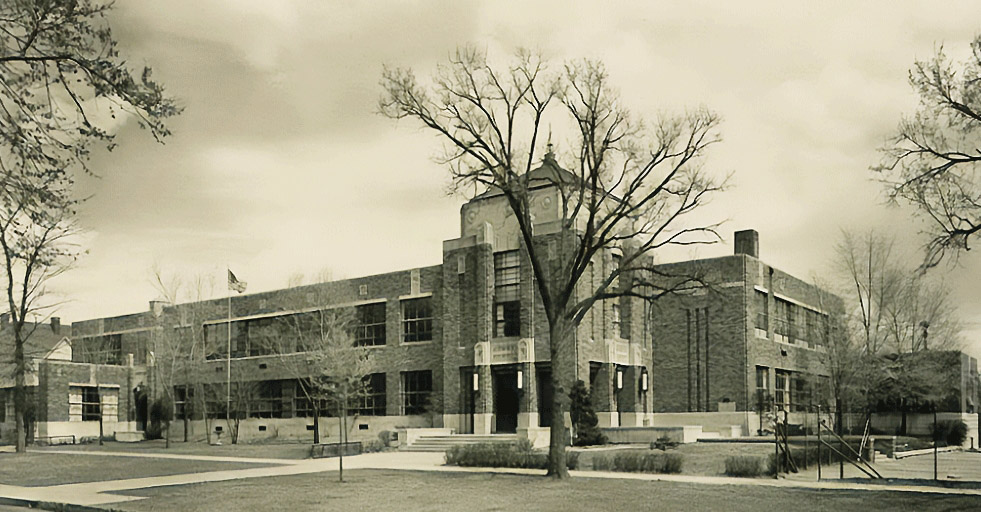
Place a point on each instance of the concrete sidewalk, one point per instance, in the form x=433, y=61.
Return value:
x=100, y=493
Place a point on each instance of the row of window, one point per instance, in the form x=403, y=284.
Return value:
x=271, y=399
x=792, y=391
x=790, y=321
x=265, y=336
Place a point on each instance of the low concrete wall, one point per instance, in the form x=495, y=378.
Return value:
x=722, y=422
x=362, y=428
x=81, y=429
x=645, y=435
x=920, y=424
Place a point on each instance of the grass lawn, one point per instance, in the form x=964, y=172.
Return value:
x=408, y=490
x=39, y=469
x=707, y=459
x=284, y=450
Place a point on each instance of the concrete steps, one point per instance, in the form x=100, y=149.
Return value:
x=443, y=443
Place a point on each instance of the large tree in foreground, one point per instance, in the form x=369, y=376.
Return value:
x=630, y=186
x=63, y=85
x=934, y=159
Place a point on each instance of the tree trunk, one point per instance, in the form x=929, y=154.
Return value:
x=20, y=391
x=316, y=425
x=563, y=364
x=902, y=424
x=340, y=451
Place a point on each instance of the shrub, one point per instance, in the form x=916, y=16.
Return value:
x=161, y=414
x=503, y=455
x=375, y=445
x=949, y=432
x=664, y=443
x=744, y=465
x=639, y=462
x=583, y=417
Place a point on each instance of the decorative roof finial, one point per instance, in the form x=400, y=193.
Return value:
x=549, y=155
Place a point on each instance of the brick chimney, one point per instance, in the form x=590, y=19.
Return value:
x=747, y=242
x=56, y=325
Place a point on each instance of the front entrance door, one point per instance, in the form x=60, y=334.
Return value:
x=544, y=378
x=467, y=400
x=506, y=400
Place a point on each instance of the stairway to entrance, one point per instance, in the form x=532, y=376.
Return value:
x=443, y=443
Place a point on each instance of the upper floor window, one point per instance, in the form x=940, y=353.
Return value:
x=507, y=304
x=762, y=310
x=417, y=319
x=371, y=324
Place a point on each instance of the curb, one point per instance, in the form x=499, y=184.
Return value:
x=52, y=505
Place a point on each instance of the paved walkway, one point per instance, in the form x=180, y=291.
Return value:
x=99, y=493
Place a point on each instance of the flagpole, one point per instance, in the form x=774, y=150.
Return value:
x=228, y=364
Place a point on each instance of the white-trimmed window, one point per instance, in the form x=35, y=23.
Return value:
x=417, y=319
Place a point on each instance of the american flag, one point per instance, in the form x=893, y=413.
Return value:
x=235, y=284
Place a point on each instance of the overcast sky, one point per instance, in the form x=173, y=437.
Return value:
x=280, y=164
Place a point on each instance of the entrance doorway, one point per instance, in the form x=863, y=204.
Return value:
x=544, y=379
x=467, y=400
x=506, y=400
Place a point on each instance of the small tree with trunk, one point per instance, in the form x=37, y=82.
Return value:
x=178, y=341
x=315, y=342
x=630, y=187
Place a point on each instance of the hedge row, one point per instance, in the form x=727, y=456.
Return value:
x=503, y=455
x=639, y=462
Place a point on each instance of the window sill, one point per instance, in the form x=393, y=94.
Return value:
x=415, y=343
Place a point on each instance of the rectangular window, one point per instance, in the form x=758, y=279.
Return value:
x=617, y=328
x=218, y=342
x=263, y=336
x=508, y=319
x=183, y=401
x=781, y=389
x=416, y=388
x=762, y=311
x=417, y=319
x=762, y=388
x=800, y=392
x=303, y=406
x=3, y=406
x=781, y=325
x=371, y=324
x=507, y=283
x=268, y=401
x=615, y=268
x=372, y=402
x=89, y=400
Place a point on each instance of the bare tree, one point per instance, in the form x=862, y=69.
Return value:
x=932, y=161
x=178, y=341
x=315, y=343
x=892, y=308
x=37, y=237
x=630, y=187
